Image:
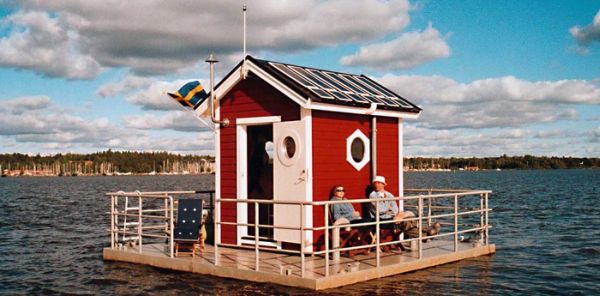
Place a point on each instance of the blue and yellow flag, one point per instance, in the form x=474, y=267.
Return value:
x=190, y=95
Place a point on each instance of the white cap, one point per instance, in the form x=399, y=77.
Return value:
x=380, y=179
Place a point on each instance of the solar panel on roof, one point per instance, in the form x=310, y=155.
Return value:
x=369, y=89
x=373, y=99
x=310, y=77
x=389, y=101
x=321, y=93
x=400, y=101
x=340, y=96
x=357, y=98
x=283, y=69
x=328, y=80
x=375, y=86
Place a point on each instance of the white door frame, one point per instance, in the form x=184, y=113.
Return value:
x=242, y=167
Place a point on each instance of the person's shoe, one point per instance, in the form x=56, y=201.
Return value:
x=435, y=229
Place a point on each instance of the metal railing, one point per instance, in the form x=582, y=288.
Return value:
x=435, y=212
x=152, y=218
x=463, y=211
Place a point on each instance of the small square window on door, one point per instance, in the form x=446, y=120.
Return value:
x=358, y=150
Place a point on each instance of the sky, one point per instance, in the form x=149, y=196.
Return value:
x=492, y=77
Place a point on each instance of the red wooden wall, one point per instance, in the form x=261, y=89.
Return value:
x=251, y=97
x=330, y=131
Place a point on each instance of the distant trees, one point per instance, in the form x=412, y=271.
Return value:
x=502, y=162
x=106, y=162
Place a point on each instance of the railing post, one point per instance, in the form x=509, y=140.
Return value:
x=455, y=223
x=481, y=215
x=217, y=227
x=302, y=240
x=420, y=226
x=429, y=209
x=256, y=234
x=326, y=240
x=140, y=222
x=377, y=250
x=112, y=222
x=487, y=221
x=171, y=230
x=166, y=214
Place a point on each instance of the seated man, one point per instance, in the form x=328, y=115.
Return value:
x=388, y=210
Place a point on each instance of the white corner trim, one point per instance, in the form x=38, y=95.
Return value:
x=241, y=181
x=306, y=115
x=257, y=120
x=401, y=162
x=367, y=153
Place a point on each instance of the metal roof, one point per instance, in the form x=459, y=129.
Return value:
x=333, y=87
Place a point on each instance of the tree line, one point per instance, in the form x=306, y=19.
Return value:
x=502, y=162
x=105, y=162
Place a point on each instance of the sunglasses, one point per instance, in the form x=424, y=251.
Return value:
x=339, y=190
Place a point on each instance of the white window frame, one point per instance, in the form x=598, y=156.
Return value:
x=367, y=154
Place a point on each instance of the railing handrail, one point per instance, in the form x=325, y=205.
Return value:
x=353, y=200
x=147, y=193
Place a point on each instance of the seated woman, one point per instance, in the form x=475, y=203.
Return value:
x=343, y=210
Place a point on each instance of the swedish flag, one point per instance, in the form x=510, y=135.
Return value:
x=190, y=95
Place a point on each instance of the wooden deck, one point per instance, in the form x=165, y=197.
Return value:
x=240, y=263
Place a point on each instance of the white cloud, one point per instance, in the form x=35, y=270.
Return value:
x=407, y=51
x=166, y=36
x=47, y=44
x=588, y=34
x=179, y=121
x=421, y=141
x=129, y=84
x=42, y=126
x=22, y=104
x=494, y=102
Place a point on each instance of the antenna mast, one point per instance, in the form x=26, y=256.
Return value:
x=243, y=67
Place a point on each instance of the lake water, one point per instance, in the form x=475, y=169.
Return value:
x=546, y=230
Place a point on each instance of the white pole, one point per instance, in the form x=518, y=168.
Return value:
x=244, y=12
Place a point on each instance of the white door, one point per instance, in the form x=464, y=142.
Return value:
x=289, y=177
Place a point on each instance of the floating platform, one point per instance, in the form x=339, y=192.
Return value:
x=285, y=269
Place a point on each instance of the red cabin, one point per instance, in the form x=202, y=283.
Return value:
x=295, y=132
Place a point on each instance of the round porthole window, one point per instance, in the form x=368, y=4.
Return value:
x=357, y=149
x=290, y=146
x=358, y=152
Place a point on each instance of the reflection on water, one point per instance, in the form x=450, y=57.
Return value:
x=545, y=229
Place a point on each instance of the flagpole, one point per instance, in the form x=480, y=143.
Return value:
x=211, y=60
